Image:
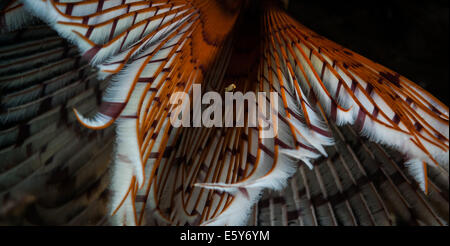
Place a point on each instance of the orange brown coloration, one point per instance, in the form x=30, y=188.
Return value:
x=201, y=176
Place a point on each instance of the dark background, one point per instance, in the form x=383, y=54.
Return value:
x=409, y=37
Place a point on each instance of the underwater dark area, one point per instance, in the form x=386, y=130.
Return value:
x=410, y=37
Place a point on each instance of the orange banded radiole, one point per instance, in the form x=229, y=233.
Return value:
x=151, y=49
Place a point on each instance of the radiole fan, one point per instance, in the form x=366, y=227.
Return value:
x=86, y=134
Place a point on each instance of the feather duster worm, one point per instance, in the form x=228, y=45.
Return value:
x=149, y=50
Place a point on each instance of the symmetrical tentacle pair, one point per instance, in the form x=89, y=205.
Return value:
x=151, y=49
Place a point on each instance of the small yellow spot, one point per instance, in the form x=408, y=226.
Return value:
x=230, y=88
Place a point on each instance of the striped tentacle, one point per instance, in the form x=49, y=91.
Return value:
x=181, y=161
x=360, y=183
x=384, y=105
x=359, y=90
x=174, y=68
x=161, y=141
x=152, y=49
x=301, y=131
x=126, y=23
